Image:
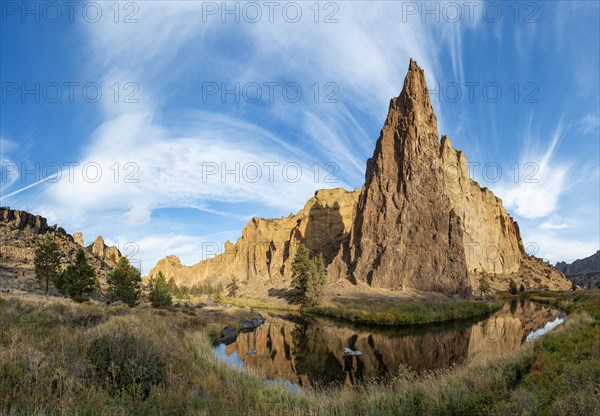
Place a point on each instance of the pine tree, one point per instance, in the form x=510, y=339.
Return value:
x=522, y=288
x=47, y=261
x=159, y=291
x=484, y=285
x=316, y=281
x=78, y=281
x=308, y=276
x=233, y=287
x=300, y=271
x=124, y=283
x=512, y=286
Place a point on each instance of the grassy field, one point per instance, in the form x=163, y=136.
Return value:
x=389, y=312
x=59, y=357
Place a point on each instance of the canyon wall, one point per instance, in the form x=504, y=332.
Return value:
x=267, y=247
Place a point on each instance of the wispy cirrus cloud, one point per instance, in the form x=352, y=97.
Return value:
x=538, y=194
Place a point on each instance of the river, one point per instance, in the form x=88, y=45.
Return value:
x=308, y=352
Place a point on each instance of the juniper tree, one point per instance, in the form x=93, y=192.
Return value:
x=47, y=260
x=484, y=285
x=124, y=283
x=512, y=286
x=78, y=281
x=233, y=287
x=159, y=291
x=308, y=276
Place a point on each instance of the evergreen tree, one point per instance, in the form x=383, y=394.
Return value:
x=233, y=287
x=47, y=261
x=78, y=281
x=316, y=281
x=159, y=291
x=484, y=285
x=174, y=289
x=308, y=276
x=522, y=288
x=512, y=286
x=124, y=283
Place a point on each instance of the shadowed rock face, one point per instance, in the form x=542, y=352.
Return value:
x=406, y=232
x=584, y=272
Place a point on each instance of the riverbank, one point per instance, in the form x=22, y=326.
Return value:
x=397, y=313
x=50, y=351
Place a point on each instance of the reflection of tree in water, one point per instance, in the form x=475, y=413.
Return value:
x=492, y=329
x=513, y=306
x=313, y=356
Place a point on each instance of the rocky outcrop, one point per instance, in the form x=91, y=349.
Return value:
x=491, y=238
x=78, y=237
x=584, y=272
x=406, y=232
x=267, y=247
x=418, y=224
x=19, y=234
x=99, y=249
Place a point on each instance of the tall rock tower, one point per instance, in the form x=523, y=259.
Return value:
x=405, y=232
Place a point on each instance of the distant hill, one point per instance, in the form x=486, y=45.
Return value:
x=584, y=272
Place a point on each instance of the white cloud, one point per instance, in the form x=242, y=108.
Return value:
x=170, y=43
x=554, y=247
x=557, y=223
x=537, y=193
x=589, y=123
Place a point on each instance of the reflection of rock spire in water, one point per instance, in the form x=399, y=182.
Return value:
x=309, y=353
x=506, y=330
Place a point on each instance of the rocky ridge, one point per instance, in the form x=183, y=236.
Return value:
x=20, y=231
x=266, y=249
x=584, y=272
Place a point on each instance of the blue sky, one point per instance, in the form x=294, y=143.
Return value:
x=153, y=159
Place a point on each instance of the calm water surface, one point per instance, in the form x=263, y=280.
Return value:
x=305, y=353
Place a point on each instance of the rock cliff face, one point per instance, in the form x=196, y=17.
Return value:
x=491, y=237
x=419, y=223
x=406, y=232
x=584, y=272
x=267, y=247
x=20, y=231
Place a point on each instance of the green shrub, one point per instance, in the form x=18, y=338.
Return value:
x=159, y=291
x=125, y=362
x=78, y=281
x=512, y=286
x=124, y=283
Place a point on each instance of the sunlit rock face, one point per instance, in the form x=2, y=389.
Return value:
x=420, y=223
x=19, y=234
x=266, y=249
x=309, y=353
x=491, y=237
x=405, y=233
